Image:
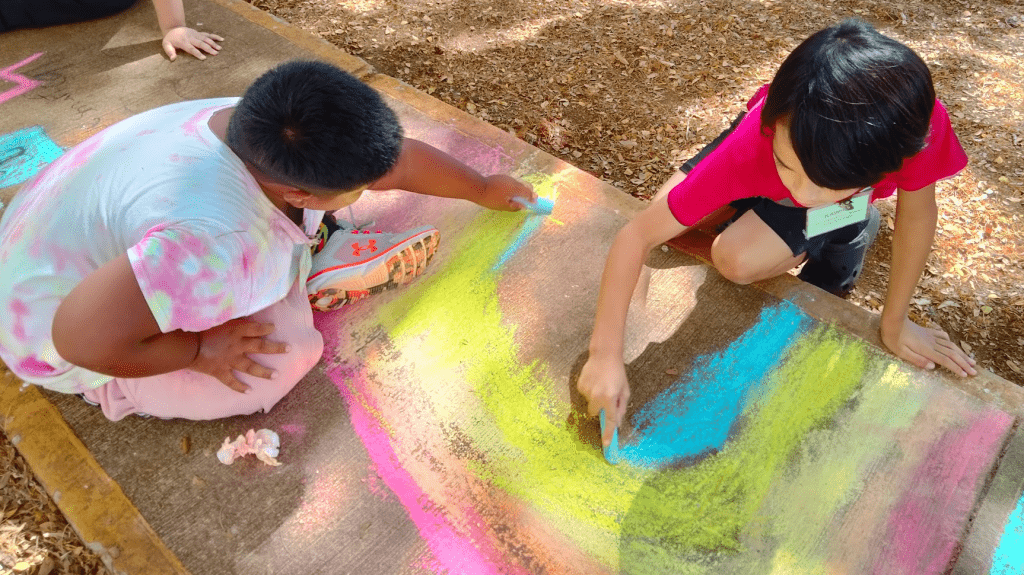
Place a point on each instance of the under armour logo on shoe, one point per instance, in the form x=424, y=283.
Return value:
x=371, y=246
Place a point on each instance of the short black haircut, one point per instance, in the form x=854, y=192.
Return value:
x=315, y=126
x=857, y=104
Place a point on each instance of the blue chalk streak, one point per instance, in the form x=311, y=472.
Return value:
x=695, y=414
x=1009, y=556
x=24, y=153
x=529, y=228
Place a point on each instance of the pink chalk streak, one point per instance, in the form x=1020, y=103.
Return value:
x=24, y=84
x=929, y=520
x=453, y=552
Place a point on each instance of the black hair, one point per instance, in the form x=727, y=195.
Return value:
x=315, y=126
x=857, y=104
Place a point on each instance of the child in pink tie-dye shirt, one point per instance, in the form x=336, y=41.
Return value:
x=160, y=266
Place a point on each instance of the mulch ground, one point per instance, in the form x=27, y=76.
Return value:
x=628, y=89
x=35, y=538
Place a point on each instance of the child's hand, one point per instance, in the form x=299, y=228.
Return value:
x=226, y=348
x=501, y=189
x=191, y=41
x=603, y=382
x=927, y=347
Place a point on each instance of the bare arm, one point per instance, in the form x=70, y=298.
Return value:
x=170, y=14
x=916, y=216
x=105, y=325
x=603, y=378
x=423, y=169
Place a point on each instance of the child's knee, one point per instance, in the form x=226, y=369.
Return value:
x=304, y=353
x=290, y=368
x=733, y=263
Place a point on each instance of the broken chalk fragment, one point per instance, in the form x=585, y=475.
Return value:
x=264, y=444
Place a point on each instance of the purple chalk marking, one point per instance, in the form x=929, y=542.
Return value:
x=24, y=84
x=542, y=206
x=611, y=453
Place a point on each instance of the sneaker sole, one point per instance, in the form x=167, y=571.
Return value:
x=402, y=263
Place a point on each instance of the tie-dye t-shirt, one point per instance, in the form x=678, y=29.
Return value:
x=205, y=243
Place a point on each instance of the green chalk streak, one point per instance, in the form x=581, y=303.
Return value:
x=830, y=464
x=706, y=507
x=537, y=456
x=677, y=520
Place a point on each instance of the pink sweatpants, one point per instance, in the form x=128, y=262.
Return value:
x=191, y=395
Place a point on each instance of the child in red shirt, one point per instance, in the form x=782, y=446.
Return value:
x=850, y=117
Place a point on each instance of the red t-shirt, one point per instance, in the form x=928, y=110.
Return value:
x=743, y=167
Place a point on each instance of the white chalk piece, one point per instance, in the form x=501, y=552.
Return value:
x=542, y=206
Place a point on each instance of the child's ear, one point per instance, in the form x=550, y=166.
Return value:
x=295, y=196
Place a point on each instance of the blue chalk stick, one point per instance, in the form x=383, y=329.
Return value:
x=611, y=453
x=543, y=206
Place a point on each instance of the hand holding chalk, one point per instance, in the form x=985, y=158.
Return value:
x=611, y=453
x=542, y=206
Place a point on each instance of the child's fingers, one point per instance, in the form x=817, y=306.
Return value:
x=530, y=194
x=953, y=350
x=596, y=403
x=267, y=346
x=609, y=432
x=940, y=350
x=256, y=370
x=930, y=357
x=215, y=37
x=194, y=51
x=615, y=418
x=612, y=416
x=955, y=359
x=170, y=51
x=960, y=367
x=917, y=359
x=257, y=329
x=231, y=381
x=623, y=403
x=210, y=46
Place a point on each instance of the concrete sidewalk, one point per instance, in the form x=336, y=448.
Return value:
x=769, y=431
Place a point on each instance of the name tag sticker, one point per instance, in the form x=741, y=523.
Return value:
x=824, y=219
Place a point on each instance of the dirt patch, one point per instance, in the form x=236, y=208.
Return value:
x=628, y=90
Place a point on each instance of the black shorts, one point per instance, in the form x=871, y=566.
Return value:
x=16, y=14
